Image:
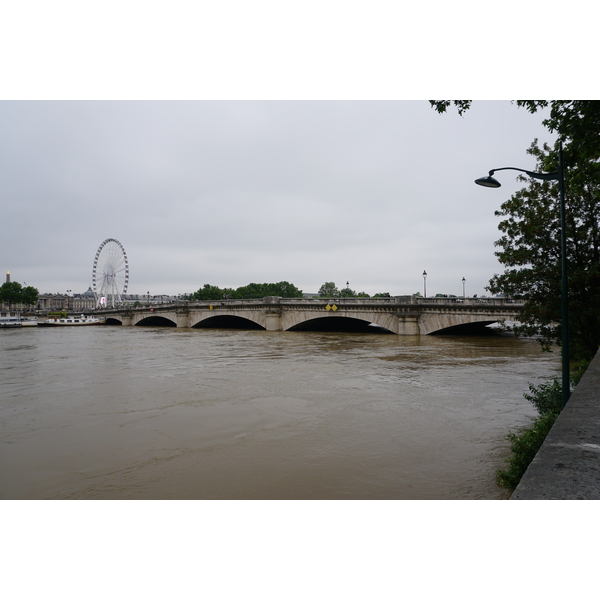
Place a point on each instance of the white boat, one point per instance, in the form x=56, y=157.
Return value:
x=10, y=319
x=72, y=320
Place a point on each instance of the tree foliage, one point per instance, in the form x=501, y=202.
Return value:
x=208, y=292
x=12, y=292
x=284, y=289
x=530, y=252
x=328, y=290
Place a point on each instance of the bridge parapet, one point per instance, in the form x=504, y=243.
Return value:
x=469, y=301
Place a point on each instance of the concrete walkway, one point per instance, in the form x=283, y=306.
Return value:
x=567, y=466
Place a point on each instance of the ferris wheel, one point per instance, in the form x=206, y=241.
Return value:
x=110, y=275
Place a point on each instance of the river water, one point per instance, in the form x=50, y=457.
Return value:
x=114, y=412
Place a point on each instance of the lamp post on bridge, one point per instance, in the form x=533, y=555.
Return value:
x=558, y=176
x=463, y=282
x=424, y=284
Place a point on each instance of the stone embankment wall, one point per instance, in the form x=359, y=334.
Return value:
x=567, y=466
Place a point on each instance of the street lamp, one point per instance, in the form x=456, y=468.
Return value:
x=424, y=284
x=559, y=176
x=463, y=282
x=68, y=292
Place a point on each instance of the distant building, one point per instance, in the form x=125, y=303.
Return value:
x=82, y=302
x=87, y=301
x=51, y=302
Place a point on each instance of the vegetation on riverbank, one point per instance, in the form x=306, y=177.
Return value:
x=526, y=441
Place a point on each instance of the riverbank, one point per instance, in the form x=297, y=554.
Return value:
x=567, y=466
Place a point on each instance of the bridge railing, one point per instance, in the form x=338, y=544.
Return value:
x=338, y=300
x=468, y=301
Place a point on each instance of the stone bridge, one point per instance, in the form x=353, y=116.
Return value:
x=402, y=315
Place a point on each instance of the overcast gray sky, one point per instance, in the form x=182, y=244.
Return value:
x=233, y=192
x=302, y=174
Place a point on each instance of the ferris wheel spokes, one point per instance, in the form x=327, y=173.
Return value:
x=110, y=274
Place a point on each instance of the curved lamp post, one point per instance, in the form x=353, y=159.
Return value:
x=559, y=176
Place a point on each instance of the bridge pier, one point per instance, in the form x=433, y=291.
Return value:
x=183, y=319
x=273, y=322
x=408, y=325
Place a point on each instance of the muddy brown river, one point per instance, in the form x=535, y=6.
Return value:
x=115, y=412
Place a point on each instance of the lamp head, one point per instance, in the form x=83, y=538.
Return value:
x=488, y=181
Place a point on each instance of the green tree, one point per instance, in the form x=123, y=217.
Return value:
x=347, y=293
x=382, y=295
x=530, y=252
x=328, y=290
x=285, y=290
x=30, y=295
x=252, y=290
x=12, y=292
x=208, y=292
x=231, y=294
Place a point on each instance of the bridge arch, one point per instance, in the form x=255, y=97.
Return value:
x=448, y=323
x=227, y=322
x=338, y=323
x=156, y=320
x=294, y=321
